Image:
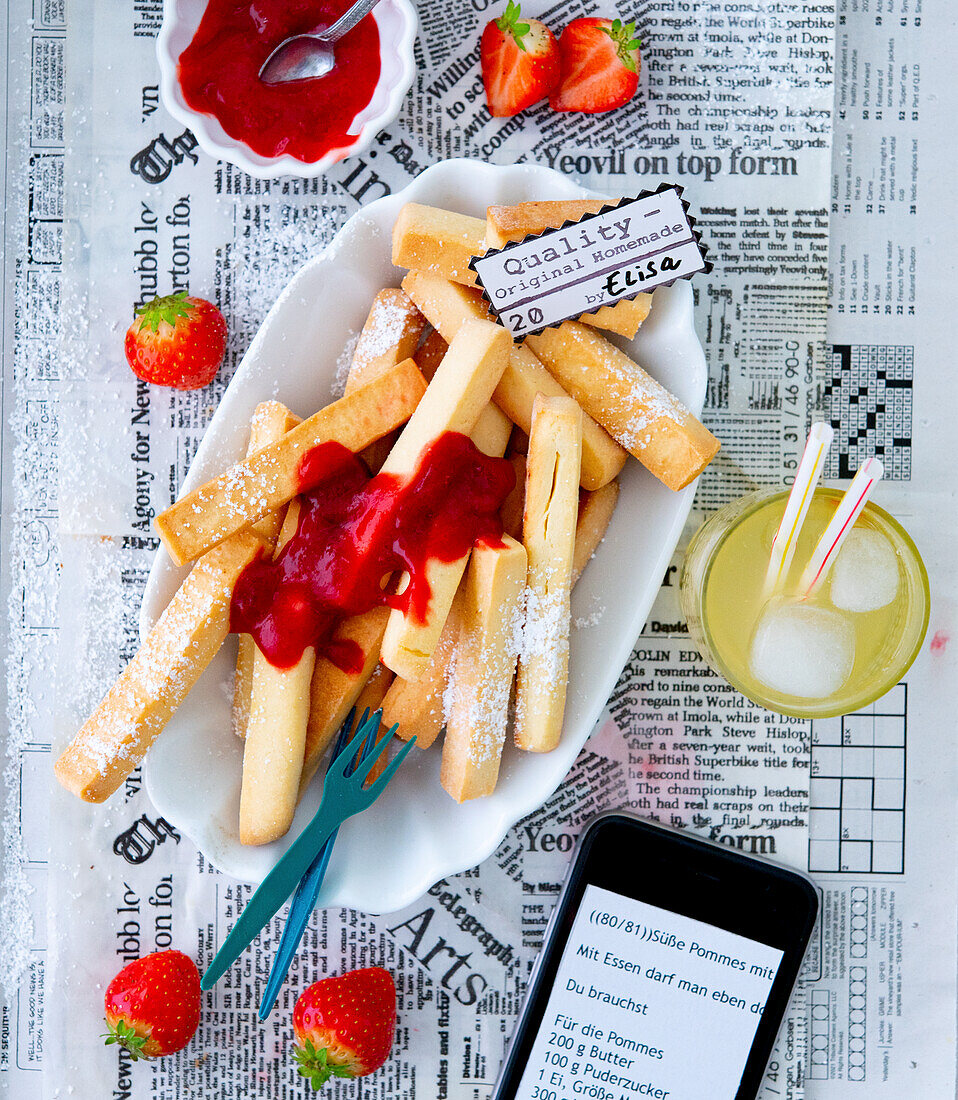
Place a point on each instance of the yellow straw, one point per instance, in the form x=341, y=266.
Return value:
x=796, y=508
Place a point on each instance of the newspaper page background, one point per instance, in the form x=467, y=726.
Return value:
x=882, y=808
x=713, y=77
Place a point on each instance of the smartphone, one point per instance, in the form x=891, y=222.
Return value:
x=665, y=974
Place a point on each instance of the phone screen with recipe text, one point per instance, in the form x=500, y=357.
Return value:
x=648, y=1003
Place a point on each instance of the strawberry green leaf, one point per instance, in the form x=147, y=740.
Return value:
x=125, y=1036
x=315, y=1066
x=623, y=35
x=509, y=24
x=169, y=309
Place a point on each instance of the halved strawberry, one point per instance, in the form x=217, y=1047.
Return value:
x=520, y=62
x=599, y=61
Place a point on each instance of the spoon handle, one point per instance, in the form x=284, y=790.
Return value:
x=346, y=22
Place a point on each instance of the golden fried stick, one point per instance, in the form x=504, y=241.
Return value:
x=637, y=411
x=430, y=354
x=374, y=690
x=271, y=421
x=513, y=223
x=552, y=502
x=371, y=699
x=595, y=512
x=447, y=306
x=270, y=478
x=390, y=335
x=416, y=706
x=184, y=640
x=483, y=669
x=333, y=692
x=458, y=394
x=492, y=431
x=275, y=735
x=426, y=238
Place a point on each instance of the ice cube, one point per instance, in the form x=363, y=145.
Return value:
x=802, y=650
x=865, y=573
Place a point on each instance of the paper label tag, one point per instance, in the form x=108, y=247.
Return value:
x=626, y=249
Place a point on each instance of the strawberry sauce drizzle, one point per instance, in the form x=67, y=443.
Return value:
x=355, y=532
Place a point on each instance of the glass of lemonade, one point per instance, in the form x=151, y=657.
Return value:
x=837, y=651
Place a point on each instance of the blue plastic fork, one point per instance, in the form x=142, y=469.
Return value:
x=344, y=794
x=304, y=900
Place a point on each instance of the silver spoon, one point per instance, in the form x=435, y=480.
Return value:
x=305, y=56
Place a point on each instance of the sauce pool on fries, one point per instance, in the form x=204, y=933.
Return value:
x=354, y=532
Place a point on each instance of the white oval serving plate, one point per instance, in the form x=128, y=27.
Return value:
x=397, y=23
x=415, y=834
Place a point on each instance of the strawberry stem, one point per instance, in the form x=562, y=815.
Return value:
x=623, y=35
x=315, y=1066
x=509, y=23
x=169, y=308
x=125, y=1036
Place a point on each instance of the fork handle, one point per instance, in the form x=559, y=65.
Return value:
x=278, y=885
x=346, y=22
x=301, y=909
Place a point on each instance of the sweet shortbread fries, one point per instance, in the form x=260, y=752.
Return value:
x=430, y=362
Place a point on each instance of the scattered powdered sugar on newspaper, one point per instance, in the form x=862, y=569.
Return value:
x=33, y=554
x=266, y=259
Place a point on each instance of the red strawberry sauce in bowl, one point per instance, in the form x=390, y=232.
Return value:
x=210, y=53
x=219, y=75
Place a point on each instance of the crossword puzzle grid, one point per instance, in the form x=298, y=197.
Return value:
x=857, y=792
x=868, y=401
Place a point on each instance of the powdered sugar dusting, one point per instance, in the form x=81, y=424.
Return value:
x=647, y=401
x=449, y=692
x=545, y=635
x=479, y=695
x=583, y=622
x=387, y=321
x=280, y=238
x=343, y=364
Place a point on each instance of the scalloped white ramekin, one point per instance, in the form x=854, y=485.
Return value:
x=397, y=23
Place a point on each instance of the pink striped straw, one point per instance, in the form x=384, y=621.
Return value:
x=826, y=551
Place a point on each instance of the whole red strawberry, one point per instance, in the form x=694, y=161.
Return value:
x=153, y=1005
x=176, y=341
x=599, y=61
x=520, y=62
x=345, y=1026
